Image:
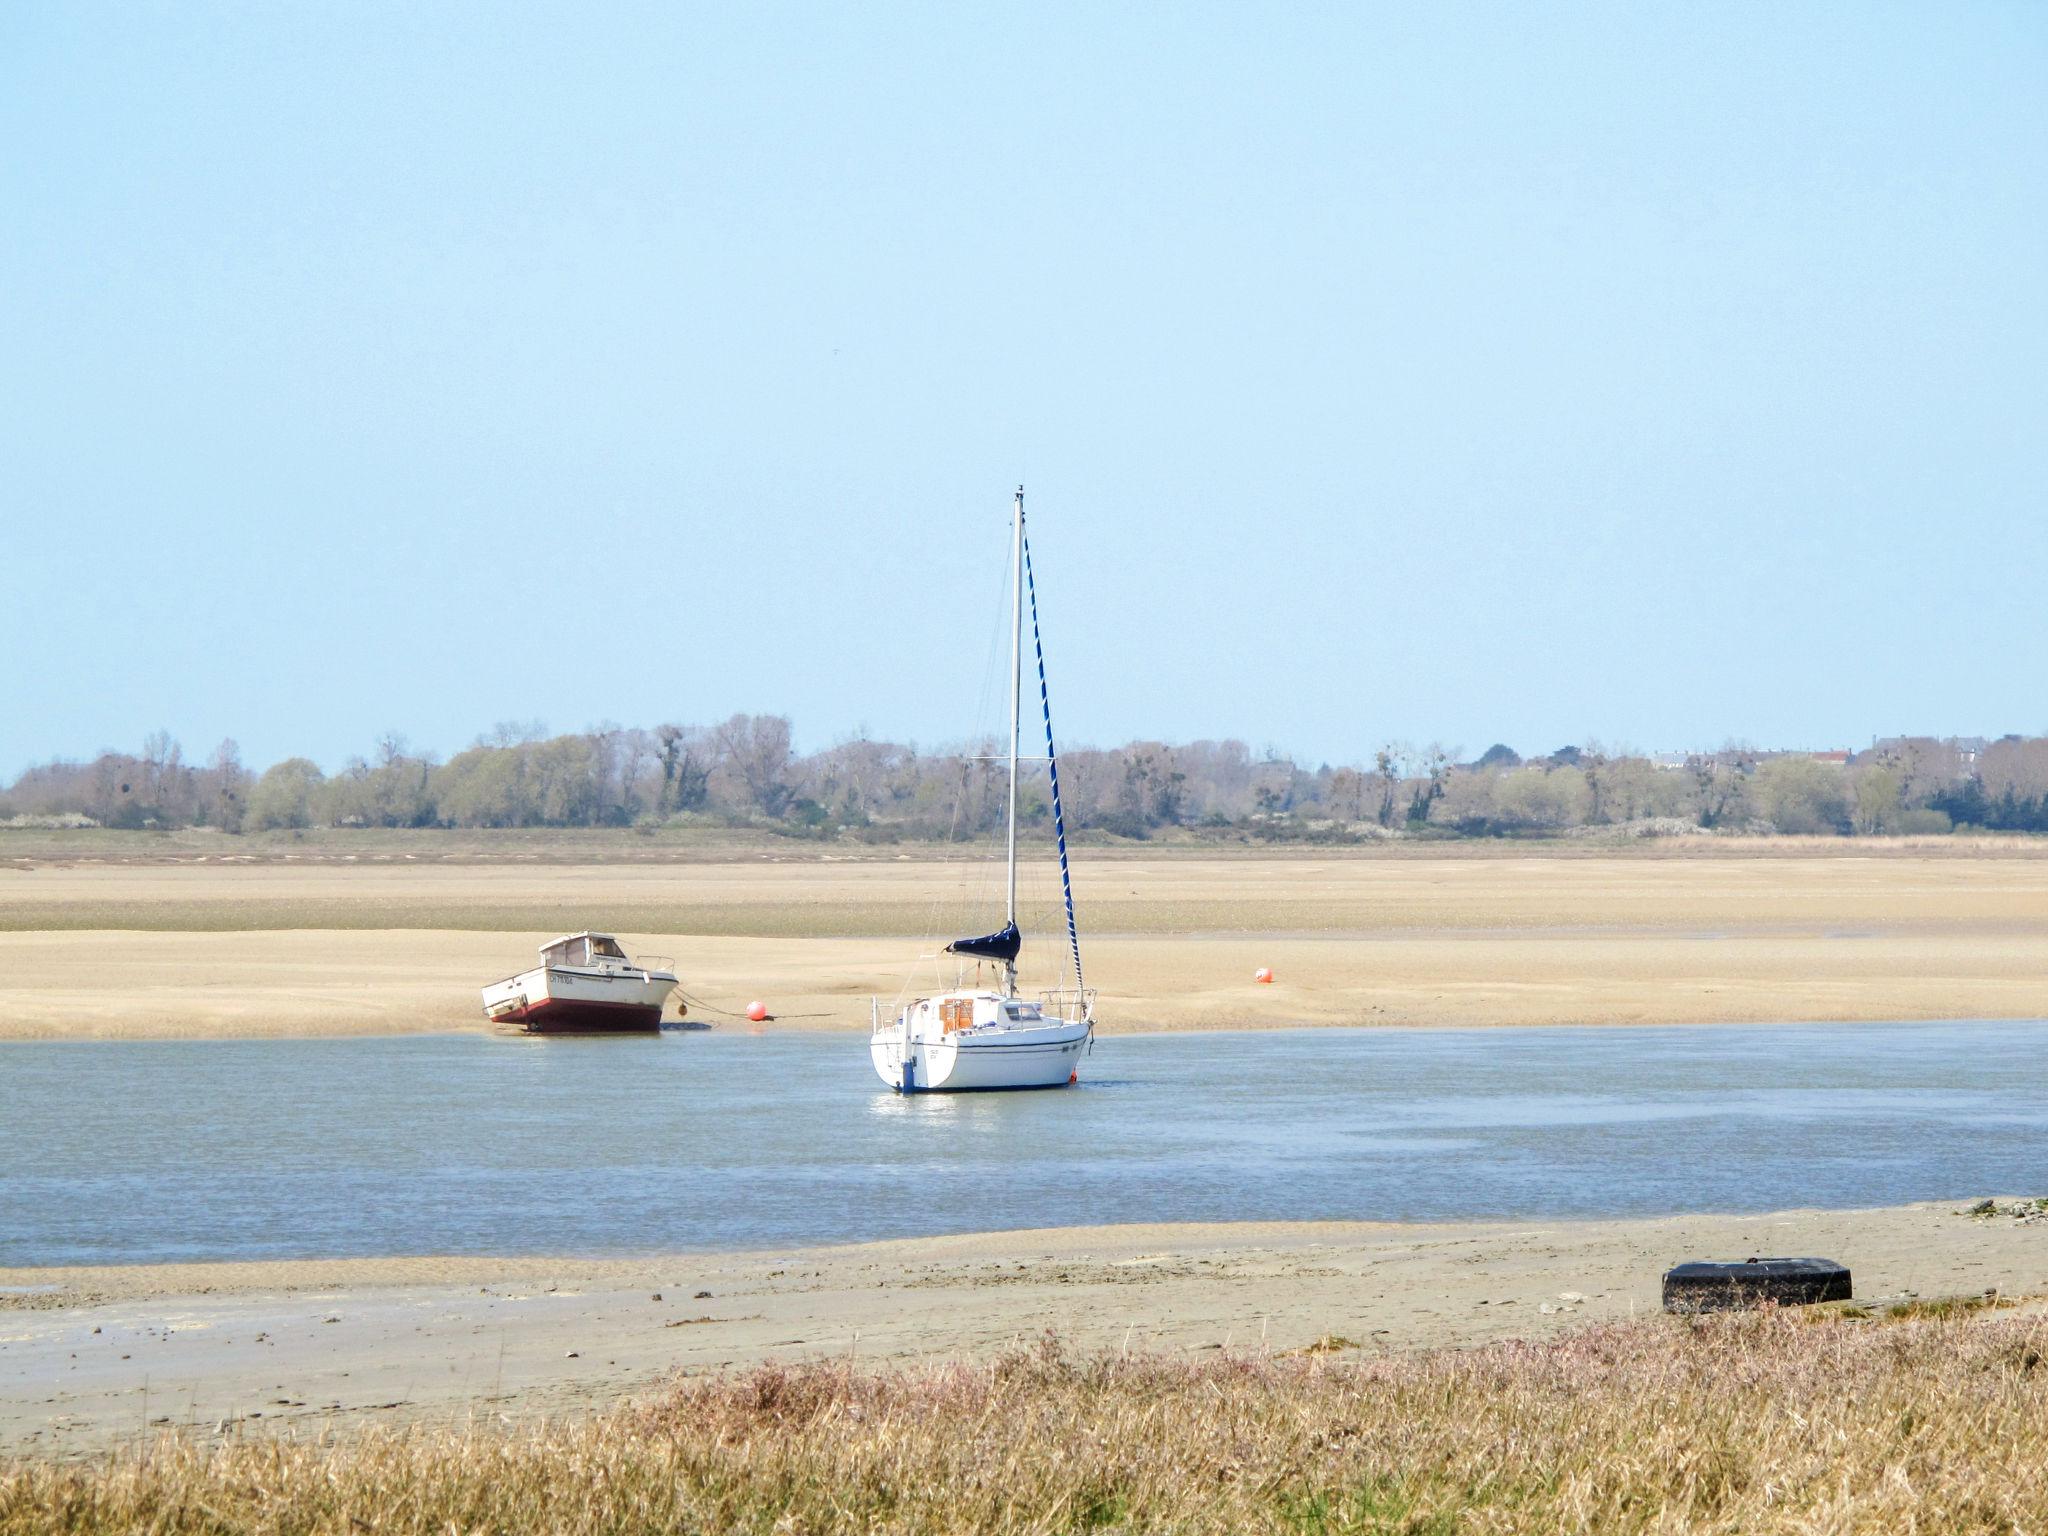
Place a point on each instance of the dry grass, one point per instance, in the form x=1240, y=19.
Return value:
x=1759, y=1423
x=1942, y=1307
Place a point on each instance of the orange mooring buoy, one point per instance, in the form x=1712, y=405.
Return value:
x=757, y=1010
x=1263, y=974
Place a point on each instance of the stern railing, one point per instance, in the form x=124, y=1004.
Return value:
x=1076, y=1005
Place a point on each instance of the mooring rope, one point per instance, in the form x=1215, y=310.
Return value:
x=703, y=1007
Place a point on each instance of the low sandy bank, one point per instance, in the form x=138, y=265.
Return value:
x=92, y=1355
x=128, y=985
x=1172, y=943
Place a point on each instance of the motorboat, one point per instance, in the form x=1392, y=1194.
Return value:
x=585, y=984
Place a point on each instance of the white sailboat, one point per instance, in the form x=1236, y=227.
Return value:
x=980, y=1038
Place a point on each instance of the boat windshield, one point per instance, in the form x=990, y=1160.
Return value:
x=583, y=949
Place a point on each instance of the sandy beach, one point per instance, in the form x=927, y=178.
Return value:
x=198, y=946
x=92, y=1356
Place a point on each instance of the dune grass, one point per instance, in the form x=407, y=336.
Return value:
x=1722, y=1424
x=1945, y=1306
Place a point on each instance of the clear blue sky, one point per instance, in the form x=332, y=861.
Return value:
x=1658, y=374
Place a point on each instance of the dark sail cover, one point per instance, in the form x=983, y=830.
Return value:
x=1000, y=945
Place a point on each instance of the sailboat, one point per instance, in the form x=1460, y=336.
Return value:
x=981, y=1038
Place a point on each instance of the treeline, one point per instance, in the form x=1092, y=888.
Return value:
x=745, y=771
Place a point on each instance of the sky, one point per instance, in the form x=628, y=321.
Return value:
x=1659, y=375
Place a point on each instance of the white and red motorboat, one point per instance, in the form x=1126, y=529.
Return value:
x=585, y=984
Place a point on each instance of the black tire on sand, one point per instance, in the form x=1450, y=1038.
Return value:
x=1713, y=1286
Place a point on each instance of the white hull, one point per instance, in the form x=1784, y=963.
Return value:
x=1039, y=1053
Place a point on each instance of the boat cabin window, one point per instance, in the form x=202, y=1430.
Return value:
x=581, y=951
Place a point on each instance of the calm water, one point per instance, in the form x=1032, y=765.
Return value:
x=470, y=1144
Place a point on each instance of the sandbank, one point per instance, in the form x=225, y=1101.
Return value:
x=126, y=950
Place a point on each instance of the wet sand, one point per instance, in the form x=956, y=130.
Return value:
x=331, y=946
x=90, y=1356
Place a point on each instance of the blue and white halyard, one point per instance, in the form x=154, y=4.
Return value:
x=978, y=1038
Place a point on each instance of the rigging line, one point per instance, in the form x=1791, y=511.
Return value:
x=979, y=888
x=951, y=902
x=1052, y=762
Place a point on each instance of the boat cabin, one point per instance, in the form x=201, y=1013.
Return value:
x=584, y=949
x=956, y=1011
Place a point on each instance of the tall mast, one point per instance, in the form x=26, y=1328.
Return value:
x=1016, y=707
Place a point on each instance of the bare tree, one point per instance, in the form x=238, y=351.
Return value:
x=1719, y=779
x=1436, y=769
x=1389, y=766
x=114, y=780
x=1593, y=763
x=608, y=788
x=160, y=756
x=685, y=772
x=229, y=787
x=514, y=733
x=1346, y=796
x=756, y=749
x=2016, y=767
x=634, y=750
x=164, y=792
x=1926, y=767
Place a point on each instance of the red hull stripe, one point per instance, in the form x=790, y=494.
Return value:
x=555, y=1013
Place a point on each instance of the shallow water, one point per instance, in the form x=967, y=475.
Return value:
x=149, y=1151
